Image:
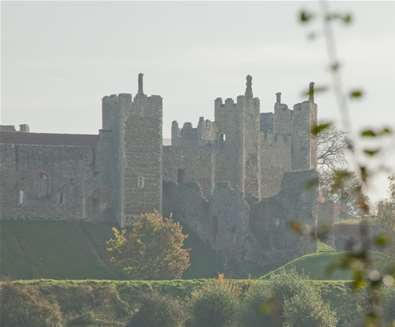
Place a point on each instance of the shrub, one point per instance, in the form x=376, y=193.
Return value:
x=306, y=310
x=347, y=304
x=288, y=300
x=23, y=306
x=259, y=308
x=151, y=248
x=158, y=310
x=215, y=305
x=302, y=304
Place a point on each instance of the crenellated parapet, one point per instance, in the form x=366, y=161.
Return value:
x=203, y=134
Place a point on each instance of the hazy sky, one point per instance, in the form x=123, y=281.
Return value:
x=59, y=59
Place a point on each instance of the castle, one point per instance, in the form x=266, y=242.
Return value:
x=235, y=181
x=118, y=173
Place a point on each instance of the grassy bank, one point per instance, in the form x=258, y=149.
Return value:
x=76, y=250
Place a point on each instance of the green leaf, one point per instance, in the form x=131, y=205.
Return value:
x=317, y=89
x=356, y=94
x=371, y=152
x=368, y=133
x=382, y=240
x=347, y=19
x=371, y=133
x=335, y=66
x=319, y=128
x=305, y=17
x=358, y=280
x=385, y=131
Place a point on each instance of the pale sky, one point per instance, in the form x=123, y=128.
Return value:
x=59, y=59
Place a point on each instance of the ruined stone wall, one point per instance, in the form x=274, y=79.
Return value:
x=48, y=181
x=282, y=123
x=250, y=237
x=275, y=162
x=190, y=164
x=204, y=133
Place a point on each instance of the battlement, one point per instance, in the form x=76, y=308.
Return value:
x=204, y=133
x=116, y=108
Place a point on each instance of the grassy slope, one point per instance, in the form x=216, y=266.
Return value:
x=70, y=250
x=315, y=265
x=53, y=250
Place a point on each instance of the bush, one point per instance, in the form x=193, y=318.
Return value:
x=151, y=248
x=215, y=305
x=23, y=306
x=288, y=300
x=306, y=310
x=259, y=308
x=158, y=310
x=347, y=304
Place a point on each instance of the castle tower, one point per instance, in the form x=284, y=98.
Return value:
x=304, y=144
x=134, y=158
x=251, y=141
x=238, y=127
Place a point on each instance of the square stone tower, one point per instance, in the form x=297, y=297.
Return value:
x=238, y=127
x=132, y=152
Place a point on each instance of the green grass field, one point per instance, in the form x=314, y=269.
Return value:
x=71, y=250
x=38, y=249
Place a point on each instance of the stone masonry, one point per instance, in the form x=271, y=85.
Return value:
x=235, y=181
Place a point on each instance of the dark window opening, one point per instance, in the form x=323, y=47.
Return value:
x=61, y=198
x=222, y=138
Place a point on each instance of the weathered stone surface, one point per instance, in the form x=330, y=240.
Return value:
x=236, y=181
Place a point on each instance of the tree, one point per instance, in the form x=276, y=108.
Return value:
x=150, y=248
x=331, y=147
x=331, y=161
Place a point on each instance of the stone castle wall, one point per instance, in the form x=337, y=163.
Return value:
x=250, y=150
x=118, y=173
x=49, y=181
